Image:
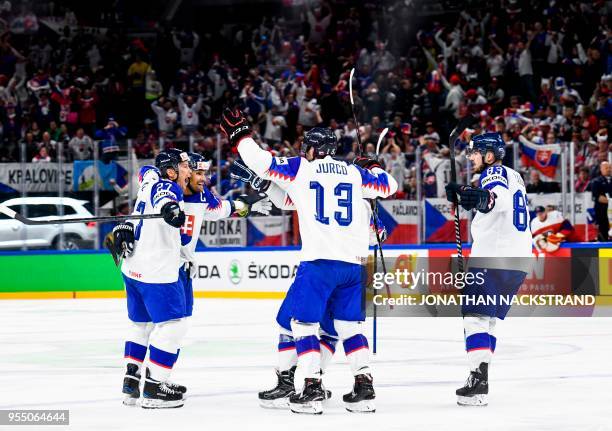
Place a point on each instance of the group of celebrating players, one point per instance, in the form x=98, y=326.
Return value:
x=324, y=304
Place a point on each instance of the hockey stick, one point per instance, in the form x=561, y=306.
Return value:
x=104, y=219
x=374, y=211
x=464, y=123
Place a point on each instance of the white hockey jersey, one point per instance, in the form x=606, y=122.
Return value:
x=552, y=224
x=200, y=207
x=328, y=196
x=157, y=249
x=504, y=231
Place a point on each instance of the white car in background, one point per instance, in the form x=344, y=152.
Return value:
x=15, y=235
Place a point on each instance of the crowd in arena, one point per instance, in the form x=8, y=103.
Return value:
x=538, y=72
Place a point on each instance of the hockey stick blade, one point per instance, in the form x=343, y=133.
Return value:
x=351, y=86
x=380, y=139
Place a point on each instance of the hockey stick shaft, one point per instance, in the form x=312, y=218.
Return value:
x=373, y=208
x=457, y=131
x=104, y=219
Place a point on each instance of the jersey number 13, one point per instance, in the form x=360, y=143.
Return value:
x=344, y=191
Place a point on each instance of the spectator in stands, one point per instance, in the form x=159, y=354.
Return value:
x=582, y=182
x=42, y=156
x=536, y=185
x=601, y=188
x=81, y=146
x=166, y=115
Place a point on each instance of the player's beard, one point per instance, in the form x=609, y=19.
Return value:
x=478, y=169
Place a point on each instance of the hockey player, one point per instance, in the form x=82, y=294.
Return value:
x=334, y=223
x=201, y=204
x=155, y=296
x=500, y=232
x=549, y=229
x=278, y=397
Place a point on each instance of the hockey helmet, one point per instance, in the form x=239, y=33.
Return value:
x=170, y=158
x=322, y=139
x=488, y=142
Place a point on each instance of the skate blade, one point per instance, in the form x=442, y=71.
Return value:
x=279, y=404
x=475, y=401
x=311, y=408
x=130, y=401
x=148, y=403
x=364, y=406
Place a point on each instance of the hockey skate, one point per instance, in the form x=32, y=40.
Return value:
x=160, y=395
x=361, y=399
x=476, y=389
x=278, y=397
x=131, y=385
x=310, y=400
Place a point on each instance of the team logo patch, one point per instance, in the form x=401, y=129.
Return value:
x=235, y=272
x=187, y=228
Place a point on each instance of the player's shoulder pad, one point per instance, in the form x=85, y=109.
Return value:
x=165, y=189
x=210, y=199
x=378, y=181
x=285, y=168
x=494, y=176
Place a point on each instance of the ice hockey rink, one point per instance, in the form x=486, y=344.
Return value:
x=548, y=374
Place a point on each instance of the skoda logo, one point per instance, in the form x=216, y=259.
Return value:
x=235, y=272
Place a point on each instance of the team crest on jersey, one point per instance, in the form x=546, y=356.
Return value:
x=281, y=161
x=543, y=157
x=187, y=228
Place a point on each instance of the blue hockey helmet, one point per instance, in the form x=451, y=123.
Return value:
x=322, y=139
x=170, y=158
x=488, y=142
x=198, y=162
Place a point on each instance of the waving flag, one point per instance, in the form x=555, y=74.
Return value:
x=267, y=230
x=545, y=158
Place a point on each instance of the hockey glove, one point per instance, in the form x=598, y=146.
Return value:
x=366, y=163
x=471, y=197
x=123, y=239
x=241, y=172
x=173, y=214
x=235, y=126
x=243, y=205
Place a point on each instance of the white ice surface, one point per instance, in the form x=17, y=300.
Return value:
x=548, y=373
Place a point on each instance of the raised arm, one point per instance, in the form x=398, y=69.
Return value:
x=281, y=170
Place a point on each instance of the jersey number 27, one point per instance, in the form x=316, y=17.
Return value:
x=344, y=191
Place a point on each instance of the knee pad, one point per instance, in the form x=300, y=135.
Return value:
x=347, y=329
x=168, y=335
x=476, y=324
x=301, y=329
x=138, y=332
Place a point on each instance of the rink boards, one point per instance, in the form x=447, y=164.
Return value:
x=251, y=272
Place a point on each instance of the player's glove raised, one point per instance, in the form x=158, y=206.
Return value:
x=366, y=163
x=173, y=214
x=471, y=197
x=243, y=205
x=123, y=239
x=235, y=126
x=241, y=172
